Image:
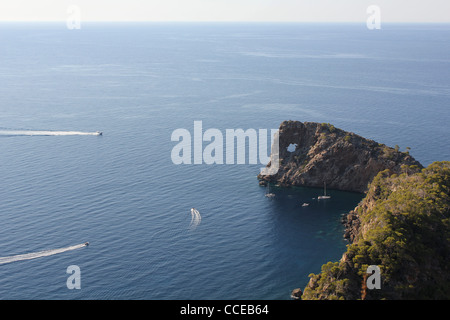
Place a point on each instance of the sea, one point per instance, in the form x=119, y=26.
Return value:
x=62, y=184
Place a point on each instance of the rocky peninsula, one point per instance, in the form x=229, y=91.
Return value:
x=312, y=154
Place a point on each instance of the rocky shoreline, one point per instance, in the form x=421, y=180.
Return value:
x=394, y=227
x=402, y=227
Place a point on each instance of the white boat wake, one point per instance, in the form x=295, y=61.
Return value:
x=47, y=133
x=40, y=254
x=196, y=218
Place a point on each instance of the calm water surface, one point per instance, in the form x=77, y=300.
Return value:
x=137, y=83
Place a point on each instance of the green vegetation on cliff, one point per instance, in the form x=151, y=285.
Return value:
x=402, y=226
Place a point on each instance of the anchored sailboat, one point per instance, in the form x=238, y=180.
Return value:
x=324, y=193
x=268, y=193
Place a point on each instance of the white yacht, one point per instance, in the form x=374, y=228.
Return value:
x=324, y=193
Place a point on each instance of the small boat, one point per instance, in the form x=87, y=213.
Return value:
x=324, y=193
x=99, y=133
x=86, y=244
x=269, y=194
x=305, y=204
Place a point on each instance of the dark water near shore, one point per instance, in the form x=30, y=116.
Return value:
x=121, y=192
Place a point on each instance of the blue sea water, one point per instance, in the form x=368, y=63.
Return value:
x=137, y=83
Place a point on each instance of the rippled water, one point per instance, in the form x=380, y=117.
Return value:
x=137, y=83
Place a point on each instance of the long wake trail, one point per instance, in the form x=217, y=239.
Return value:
x=40, y=254
x=47, y=133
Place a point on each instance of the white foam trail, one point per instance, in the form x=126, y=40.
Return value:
x=196, y=218
x=47, y=133
x=40, y=254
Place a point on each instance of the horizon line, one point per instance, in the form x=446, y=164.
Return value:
x=228, y=21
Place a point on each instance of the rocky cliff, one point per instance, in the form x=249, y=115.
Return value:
x=402, y=226
x=312, y=154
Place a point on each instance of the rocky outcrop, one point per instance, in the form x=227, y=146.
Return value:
x=312, y=154
x=296, y=294
x=352, y=224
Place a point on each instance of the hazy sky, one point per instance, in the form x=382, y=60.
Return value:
x=226, y=10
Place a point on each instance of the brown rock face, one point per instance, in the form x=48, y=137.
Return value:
x=322, y=154
x=296, y=294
